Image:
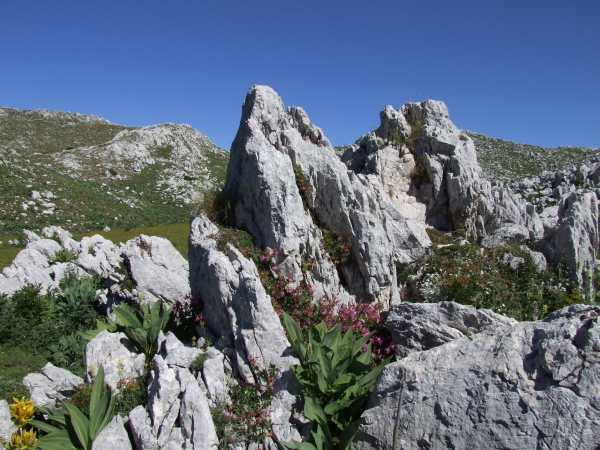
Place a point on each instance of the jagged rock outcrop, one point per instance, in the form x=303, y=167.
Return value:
x=442, y=162
x=274, y=147
x=525, y=385
x=239, y=313
x=97, y=254
x=421, y=326
x=195, y=414
x=31, y=266
x=158, y=269
x=47, y=389
x=175, y=353
x=572, y=242
x=214, y=376
x=447, y=189
x=174, y=397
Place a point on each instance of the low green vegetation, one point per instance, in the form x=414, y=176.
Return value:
x=43, y=131
x=411, y=139
x=87, y=190
x=458, y=269
x=217, y=207
x=102, y=205
x=28, y=315
x=15, y=363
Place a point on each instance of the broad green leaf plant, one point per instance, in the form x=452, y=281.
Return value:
x=141, y=327
x=337, y=379
x=78, y=430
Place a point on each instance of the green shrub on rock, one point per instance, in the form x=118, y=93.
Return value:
x=337, y=378
x=142, y=326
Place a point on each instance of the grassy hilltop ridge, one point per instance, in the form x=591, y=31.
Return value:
x=82, y=172
x=509, y=161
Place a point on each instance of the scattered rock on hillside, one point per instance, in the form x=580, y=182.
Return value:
x=47, y=389
x=502, y=235
x=538, y=258
x=525, y=385
x=190, y=162
x=108, y=349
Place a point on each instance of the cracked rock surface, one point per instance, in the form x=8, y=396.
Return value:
x=525, y=385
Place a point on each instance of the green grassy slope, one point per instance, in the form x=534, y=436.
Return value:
x=509, y=161
x=32, y=144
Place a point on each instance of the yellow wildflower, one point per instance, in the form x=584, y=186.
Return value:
x=21, y=411
x=22, y=440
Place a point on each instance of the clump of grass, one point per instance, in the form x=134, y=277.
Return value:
x=419, y=174
x=62, y=256
x=145, y=247
x=15, y=363
x=415, y=128
x=198, y=363
x=399, y=139
x=301, y=181
x=217, y=207
x=240, y=239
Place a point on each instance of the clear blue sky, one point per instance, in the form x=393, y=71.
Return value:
x=526, y=70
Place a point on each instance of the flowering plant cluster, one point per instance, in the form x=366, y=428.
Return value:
x=186, y=315
x=362, y=319
x=245, y=416
x=296, y=299
x=21, y=412
x=338, y=248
